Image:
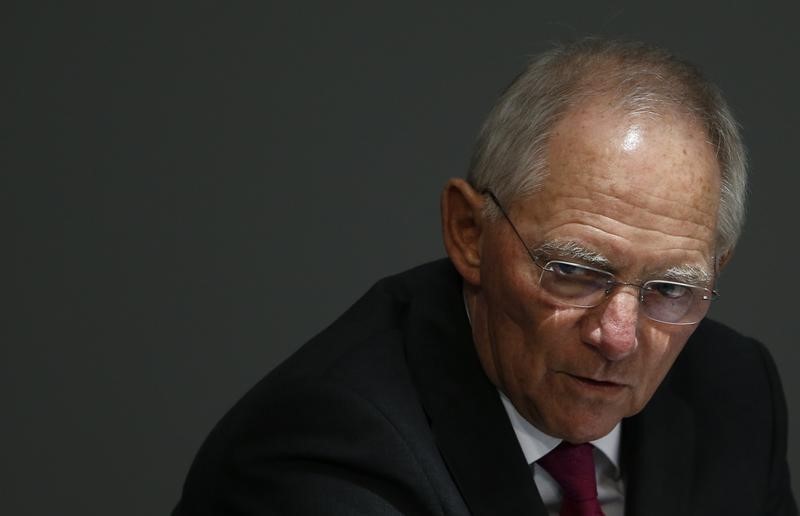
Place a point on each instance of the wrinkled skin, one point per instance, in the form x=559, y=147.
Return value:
x=643, y=193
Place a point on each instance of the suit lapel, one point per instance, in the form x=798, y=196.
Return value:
x=470, y=425
x=658, y=456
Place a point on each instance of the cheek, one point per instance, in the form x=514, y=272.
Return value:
x=525, y=327
x=510, y=281
x=533, y=340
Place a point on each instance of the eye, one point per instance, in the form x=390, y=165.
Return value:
x=574, y=283
x=569, y=270
x=579, y=275
x=670, y=290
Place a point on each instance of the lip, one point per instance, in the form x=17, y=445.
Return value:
x=606, y=385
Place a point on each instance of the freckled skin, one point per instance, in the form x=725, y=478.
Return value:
x=646, y=203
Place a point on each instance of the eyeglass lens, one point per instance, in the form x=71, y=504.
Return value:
x=585, y=287
x=661, y=300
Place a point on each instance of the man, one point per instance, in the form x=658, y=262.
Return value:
x=559, y=362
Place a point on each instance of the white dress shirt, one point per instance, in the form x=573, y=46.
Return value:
x=536, y=444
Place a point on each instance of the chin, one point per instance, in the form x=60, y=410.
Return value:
x=578, y=432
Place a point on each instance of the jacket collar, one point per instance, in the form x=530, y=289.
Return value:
x=658, y=454
x=467, y=418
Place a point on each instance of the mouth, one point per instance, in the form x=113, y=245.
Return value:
x=597, y=384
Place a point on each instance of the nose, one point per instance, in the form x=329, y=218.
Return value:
x=614, y=329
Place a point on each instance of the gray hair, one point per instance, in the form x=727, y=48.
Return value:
x=510, y=154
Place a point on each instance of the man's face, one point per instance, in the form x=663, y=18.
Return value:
x=640, y=194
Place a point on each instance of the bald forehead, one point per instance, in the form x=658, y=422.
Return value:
x=599, y=132
x=636, y=189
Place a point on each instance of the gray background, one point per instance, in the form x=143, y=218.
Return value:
x=195, y=189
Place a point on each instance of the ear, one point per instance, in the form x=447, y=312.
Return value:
x=462, y=223
x=725, y=258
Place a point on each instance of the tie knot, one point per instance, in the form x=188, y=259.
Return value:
x=572, y=466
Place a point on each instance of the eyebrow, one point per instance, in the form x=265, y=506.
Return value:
x=690, y=274
x=570, y=249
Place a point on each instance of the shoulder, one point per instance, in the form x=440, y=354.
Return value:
x=718, y=360
x=721, y=412
x=728, y=376
x=318, y=448
x=365, y=348
x=336, y=429
x=739, y=415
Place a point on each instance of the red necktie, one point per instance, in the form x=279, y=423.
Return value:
x=572, y=466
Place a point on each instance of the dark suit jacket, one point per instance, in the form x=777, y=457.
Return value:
x=389, y=412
